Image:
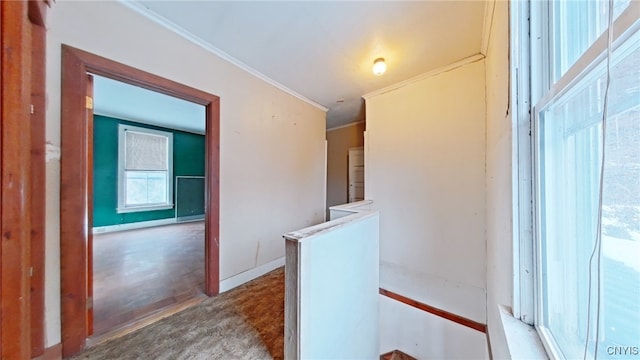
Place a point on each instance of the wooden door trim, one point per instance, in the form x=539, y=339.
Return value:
x=89, y=134
x=37, y=16
x=15, y=194
x=75, y=166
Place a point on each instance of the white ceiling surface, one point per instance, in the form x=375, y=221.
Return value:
x=324, y=50
x=128, y=102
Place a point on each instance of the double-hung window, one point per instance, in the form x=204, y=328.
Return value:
x=145, y=166
x=585, y=157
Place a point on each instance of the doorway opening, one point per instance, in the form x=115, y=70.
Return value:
x=148, y=206
x=77, y=179
x=356, y=174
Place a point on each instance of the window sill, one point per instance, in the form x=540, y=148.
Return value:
x=143, y=208
x=522, y=339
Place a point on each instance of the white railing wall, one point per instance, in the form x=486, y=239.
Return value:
x=336, y=212
x=331, y=287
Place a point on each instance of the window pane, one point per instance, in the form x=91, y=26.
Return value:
x=570, y=137
x=136, y=188
x=145, y=188
x=157, y=188
x=576, y=25
x=620, y=270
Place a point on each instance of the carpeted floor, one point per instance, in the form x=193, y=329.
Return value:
x=244, y=323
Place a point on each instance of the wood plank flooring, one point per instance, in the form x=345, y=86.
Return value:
x=140, y=272
x=246, y=322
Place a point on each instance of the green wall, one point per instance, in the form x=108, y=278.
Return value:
x=188, y=160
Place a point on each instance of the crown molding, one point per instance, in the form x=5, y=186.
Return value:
x=489, y=10
x=162, y=21
x=428, y=74
x=346, y=125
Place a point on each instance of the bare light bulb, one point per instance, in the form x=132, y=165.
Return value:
x=379, y=66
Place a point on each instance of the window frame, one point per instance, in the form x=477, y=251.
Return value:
x=521, y=45
x=122, y=207
x=531, y=53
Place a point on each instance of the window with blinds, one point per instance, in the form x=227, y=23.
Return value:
x=144, y=169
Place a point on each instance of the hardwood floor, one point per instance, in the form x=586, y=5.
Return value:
x=140, y=272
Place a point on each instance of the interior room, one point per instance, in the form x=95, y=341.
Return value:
x=368, y=179
x=148, y=212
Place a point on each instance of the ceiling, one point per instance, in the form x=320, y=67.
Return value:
x=323, y=51
x=128, y=102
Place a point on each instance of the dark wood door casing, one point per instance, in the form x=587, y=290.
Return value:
x=15, y=211
x=37, y=15
x=22, y=107
x=75, y=180
x=89, y=151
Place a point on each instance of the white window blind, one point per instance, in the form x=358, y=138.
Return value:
x=146, y=151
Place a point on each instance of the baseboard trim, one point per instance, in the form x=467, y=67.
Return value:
x=132, y=226
x=239, y=279
x=182, y=219
x=51, y=353
x=435, y=311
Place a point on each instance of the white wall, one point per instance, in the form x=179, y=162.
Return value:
x=499, y=196
x=426, y=336
x=272, y=144
x=425, y=149
x=331, y=295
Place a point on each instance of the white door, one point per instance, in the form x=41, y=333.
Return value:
x=356, y=174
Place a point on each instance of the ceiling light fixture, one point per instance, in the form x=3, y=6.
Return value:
x=379, y=66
